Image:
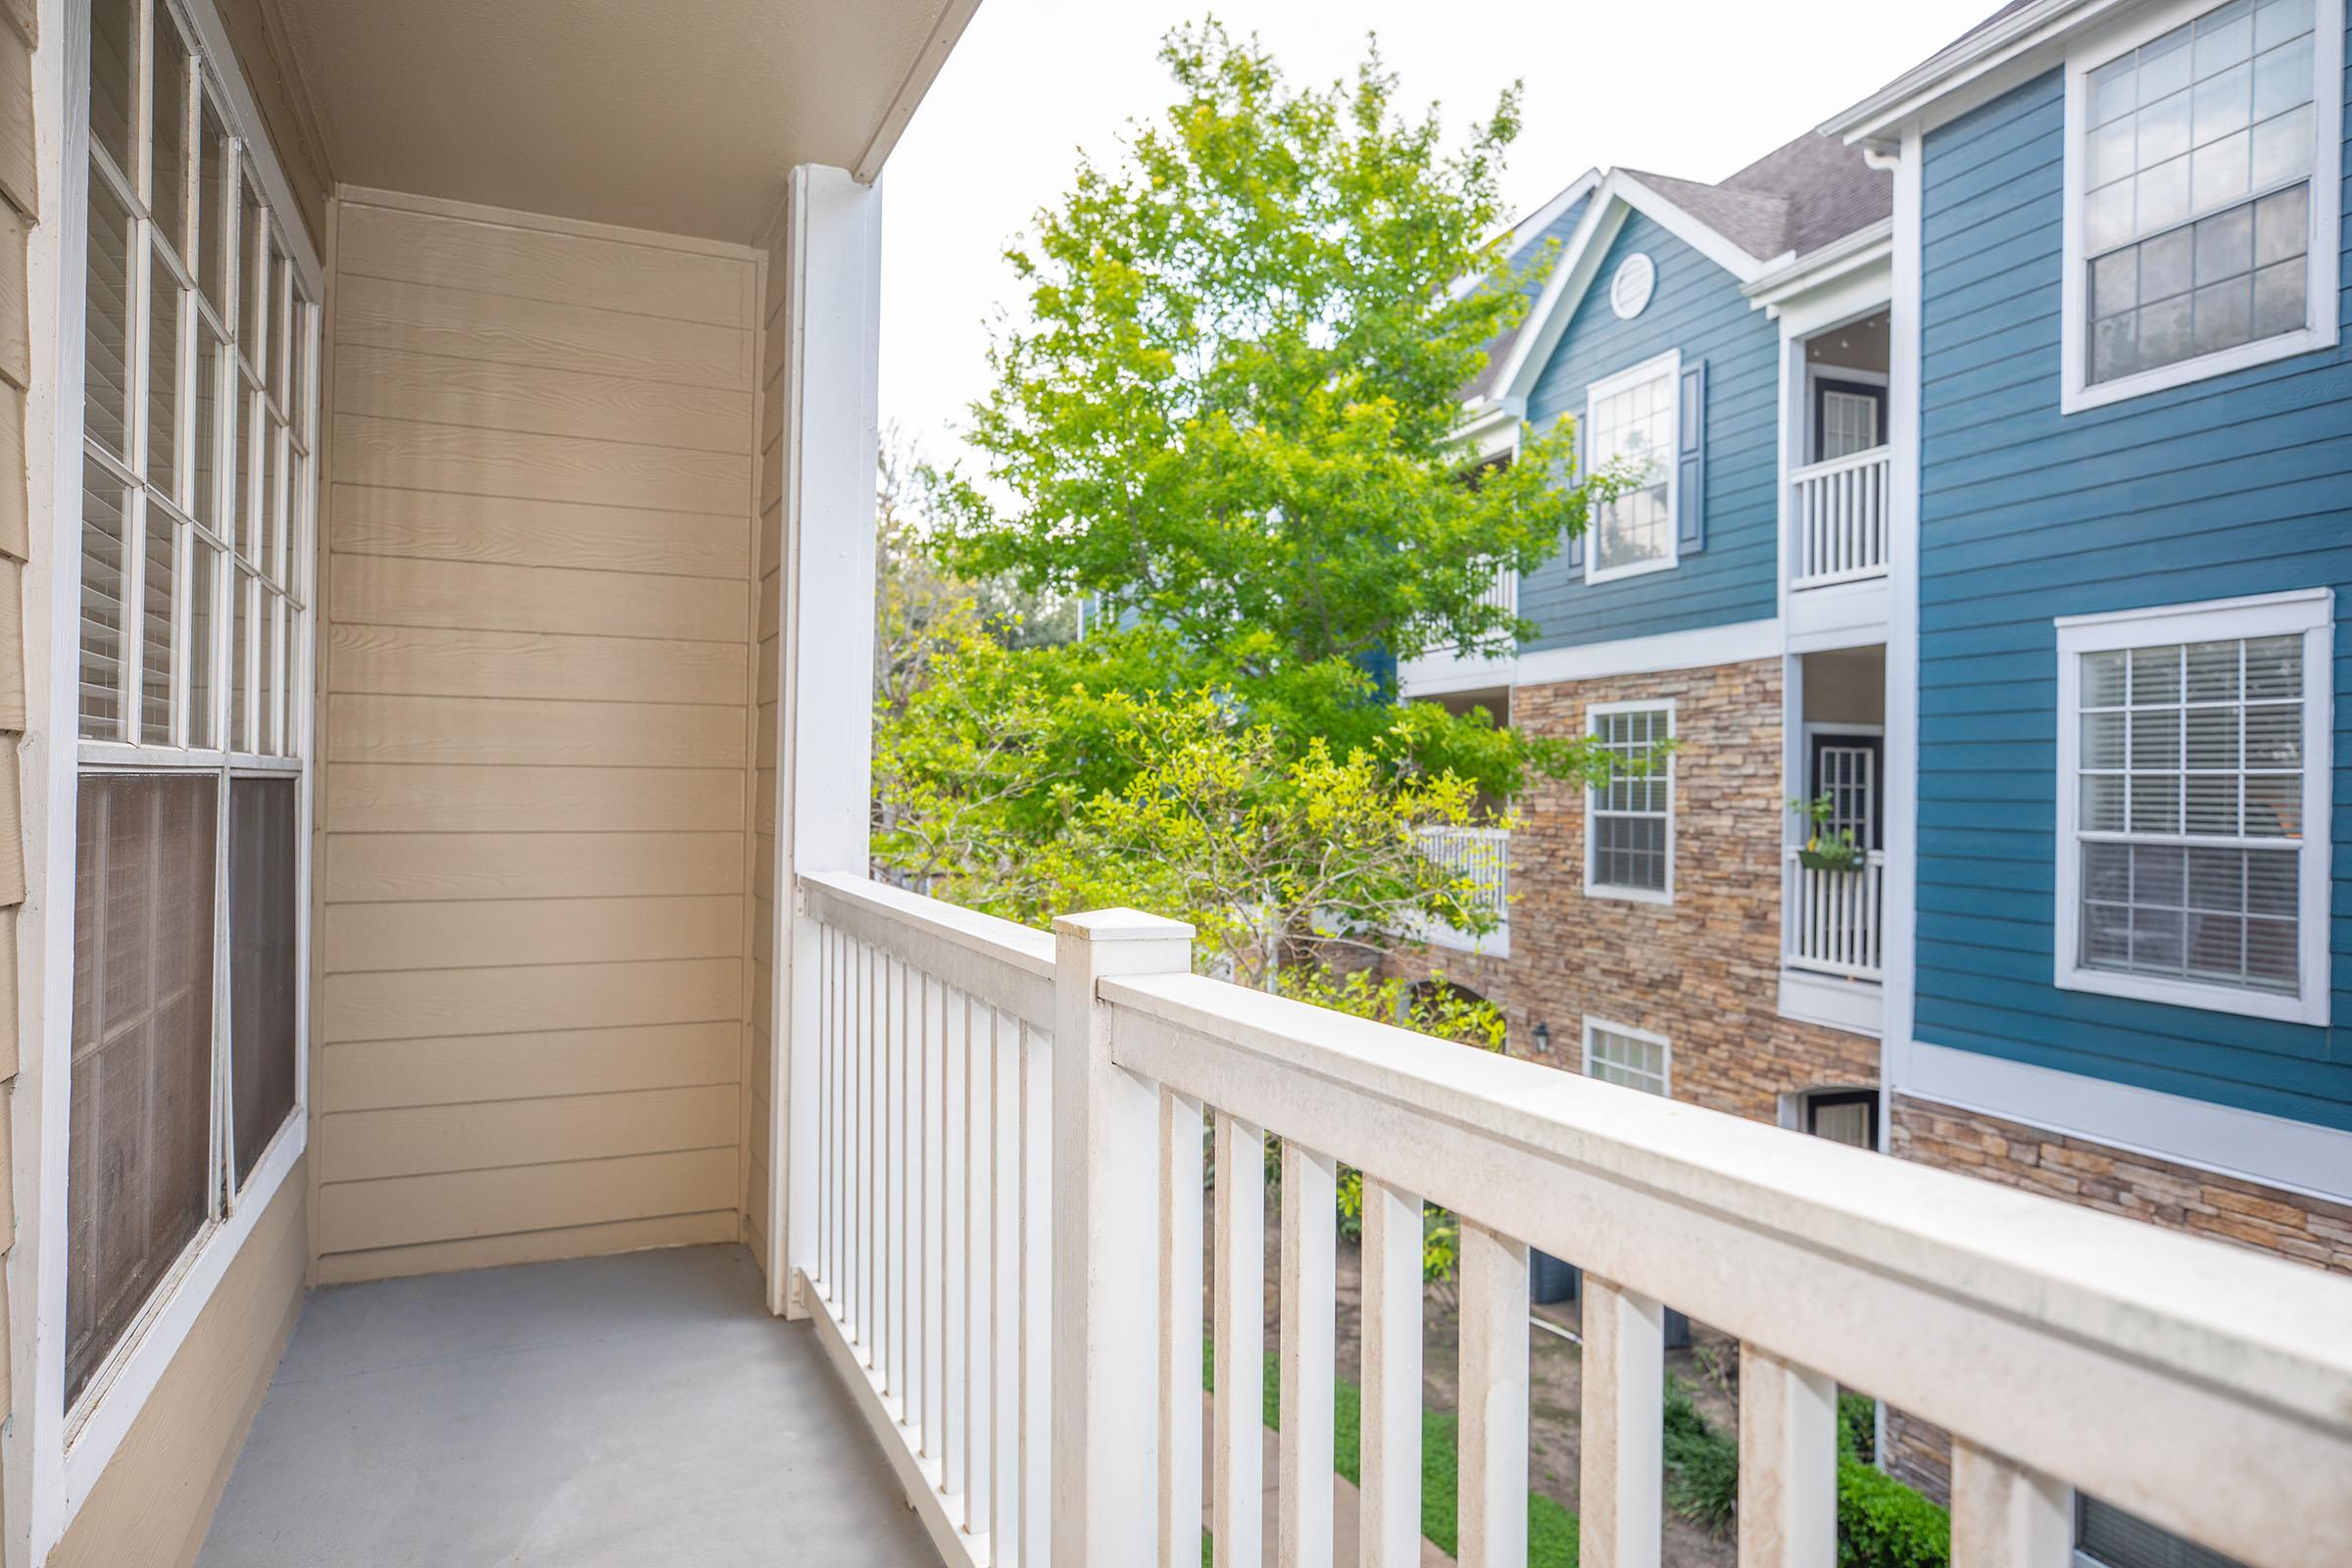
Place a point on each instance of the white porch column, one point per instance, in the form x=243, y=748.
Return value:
x=831, y=331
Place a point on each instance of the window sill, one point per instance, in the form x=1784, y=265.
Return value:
x=1628, y=895
x=1594, y=575
x=2080, y=397
x=2244, y=1004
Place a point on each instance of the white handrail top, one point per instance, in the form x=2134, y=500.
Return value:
x=1852, y=460
x=2256, y=1331
x=995, y=960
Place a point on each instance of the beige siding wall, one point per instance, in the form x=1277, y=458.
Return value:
x=536, y=724
x=18, y=212
x=769, y=678
x=153, y=1502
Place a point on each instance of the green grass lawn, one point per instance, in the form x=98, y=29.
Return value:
x=1550, y=1528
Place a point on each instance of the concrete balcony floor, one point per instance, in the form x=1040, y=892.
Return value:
x=634, y=1409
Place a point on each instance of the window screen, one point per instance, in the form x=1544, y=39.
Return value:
x=2191, y=765
x=262, y=857
x=1631, y=811
x=1618, y=1055
x=138, y=1183
x=2199, y=159
x=2113, y=1539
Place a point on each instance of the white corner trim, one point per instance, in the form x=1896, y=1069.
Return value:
x=1741, y=643
x=2295, y=1156
x=2323, y=248
x=2305, y=612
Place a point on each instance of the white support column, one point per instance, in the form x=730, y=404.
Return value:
x=832, y=326
x=1107, y=1284
x=2005, y=1515
x=1493, y=1395
x=1788, y=1463
x=1620, y=1488
x=1388, y=1524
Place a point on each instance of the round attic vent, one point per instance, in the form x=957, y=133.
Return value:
x=1629, y=290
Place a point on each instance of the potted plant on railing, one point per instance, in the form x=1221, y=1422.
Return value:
x=1825, y=851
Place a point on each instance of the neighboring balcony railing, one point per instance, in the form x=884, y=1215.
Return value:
x=1842, y=509
x=1481, y=855
x=1000, y=1210
x=1830, y=920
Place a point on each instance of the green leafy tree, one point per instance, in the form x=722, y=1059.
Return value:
x=1231, y=408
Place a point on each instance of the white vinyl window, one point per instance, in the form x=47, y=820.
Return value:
x=2193, y=805
x=1630, y=432
x=199, y=356
x=1618, y=1054
x=2202, y=195
x=1629, y=820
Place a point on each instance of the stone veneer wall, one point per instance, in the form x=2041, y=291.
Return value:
x=1704, y=970
x=2139, y=1187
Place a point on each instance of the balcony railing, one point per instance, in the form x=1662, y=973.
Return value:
x=1841, y=518
x=1481, y=855
x=1830, y=920
x=1000, y=1134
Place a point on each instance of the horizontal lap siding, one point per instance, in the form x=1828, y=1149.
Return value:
x=769, y=547
x=2239, y=484
x=1696, y=307
x=536, y=733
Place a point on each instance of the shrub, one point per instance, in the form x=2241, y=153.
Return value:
x=1883, y=1524
x=1857, y=1426
x=1703, y=1464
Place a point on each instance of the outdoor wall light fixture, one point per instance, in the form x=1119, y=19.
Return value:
x=1543, y=1039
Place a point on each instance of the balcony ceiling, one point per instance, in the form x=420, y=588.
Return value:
x=674, y=115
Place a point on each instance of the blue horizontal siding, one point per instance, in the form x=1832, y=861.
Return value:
x=2239, y=484
x=1696, y=307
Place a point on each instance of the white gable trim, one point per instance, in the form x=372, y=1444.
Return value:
x=1619, y=194
x=1975, y=70
x=1514, y=240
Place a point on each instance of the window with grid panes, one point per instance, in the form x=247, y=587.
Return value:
x=1630, y=419
x=1630, y=826
x=2198, y=854
x=195, y=577
x=1633, y=1057
x=2197, y=158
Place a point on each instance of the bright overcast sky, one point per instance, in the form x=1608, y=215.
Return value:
x=1690, y=87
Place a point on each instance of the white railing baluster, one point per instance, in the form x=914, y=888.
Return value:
x=1622, y=1465
x=862, y=1162
x=1309, y=1352
x=2005, y=1515
x=1389, y=1521
x=1238, y=1307
x=1494, y=1399
x=979, y=1262
x=828, y=1039
x=1840, y=516
x=1180, y=1255
x=923, y=1073
x=1037, y=1298
x=1831, y=920
x=1004, y=1288
x=891, y=1145
x=1788, y=1463
x=954, y=1386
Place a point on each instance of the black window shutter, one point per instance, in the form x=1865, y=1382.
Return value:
x=1691, y=462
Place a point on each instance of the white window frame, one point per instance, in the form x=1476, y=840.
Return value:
x=1593, y=887
x=1668, y=365
x=1647, y=1037
x=70, y=1448
x=2305, y=612
x=2077, y=391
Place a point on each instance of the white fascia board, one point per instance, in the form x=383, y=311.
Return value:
x=1974, y=62
x=1617, y=195
x=1861, y=251
x=1514, y=240
x=1703, y=649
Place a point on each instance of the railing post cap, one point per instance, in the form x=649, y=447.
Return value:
x=1121, y=925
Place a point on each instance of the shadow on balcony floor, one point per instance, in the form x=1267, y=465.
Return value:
x=634, y=1409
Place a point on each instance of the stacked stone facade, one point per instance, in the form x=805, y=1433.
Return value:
x=1704, y=970
x=2141, y=1186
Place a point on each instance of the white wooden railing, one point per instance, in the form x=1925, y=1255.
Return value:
x=1480, y=856
x=1840, y=510
x=1830, y=920
x=1008, y=1264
